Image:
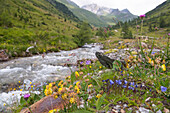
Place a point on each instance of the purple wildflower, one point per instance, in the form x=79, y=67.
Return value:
x=142, y=16
x=132, y=84
x=26, y=96
x=88, y=62
x=81, y=62
x=136, y=85
x=168, y=34
x=163, y=89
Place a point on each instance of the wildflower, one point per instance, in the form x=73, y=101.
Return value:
x=19, y=81
x=77, y=74
x=20, y=89
x=64, y=96
x=86, y=80
x=163, y=89
x=48, y=91
x=26, y=96
x=71, y=86
x=99, y=95
x=19, y=86
x=88, y=62
x=125, y=82
x=81, y=62
x=89, y=66
x=111, y=82
x=149, y=60
x=32, y=86
x=142, y=16
x=52, y=111
x=12, y=94
x=72, y=100
x=118, y=82
x=134, y=52
x=59, y=90
x=132, y=84
x=103, y=80
x=56, y=96
x=50, y=85
x=30, y=82
x=152, y=63
x=168, y=34
x=163, y=67
x=100, y=67
x=78, y=83
x=59, y=84
x=124, y=86
x=89, y=86
x=14, y=89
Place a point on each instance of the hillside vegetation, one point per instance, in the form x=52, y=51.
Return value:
x=45, y=24
x=83, y=14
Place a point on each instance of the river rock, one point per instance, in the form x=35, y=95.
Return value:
x=3, y=56
x=106, y=61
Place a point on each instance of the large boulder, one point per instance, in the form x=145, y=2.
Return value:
x=46, y=104
x=3, y=56
x=106, y=61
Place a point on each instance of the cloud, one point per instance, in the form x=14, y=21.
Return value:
x=136, y=7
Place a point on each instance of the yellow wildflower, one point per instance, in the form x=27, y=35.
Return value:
x=20, y=89
x=100, y=67
x=77, y=74
x=78, y=83
x=19, y=81
x=50, y=85
x=19, y=86
x=59, y=84
x=12, y=94
x=72, y=100
x=163, y=67
x=52, y=111
x=48, y=91
x=89, y=66
x=30, y=82
x=134, y=52
x=90, y=85
x=64, y=96
x=99, y=95
x=4, y=104
x=14, y=89
x=32, y=86
x=149, y=60
x=59, y=90
x=56, y=97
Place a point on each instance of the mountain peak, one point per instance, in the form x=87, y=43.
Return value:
x=125, y=11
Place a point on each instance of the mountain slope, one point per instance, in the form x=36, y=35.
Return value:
x=153, y=17
x=46, y=23
x=107, y=13
x=83, y=14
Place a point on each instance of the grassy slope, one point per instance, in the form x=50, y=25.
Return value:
x=84, y=15
x=24, y=22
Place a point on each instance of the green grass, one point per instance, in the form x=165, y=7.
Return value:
x=22, y=23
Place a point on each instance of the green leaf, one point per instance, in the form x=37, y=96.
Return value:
x=23, y=101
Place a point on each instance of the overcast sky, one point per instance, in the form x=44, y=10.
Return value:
x=137, y=7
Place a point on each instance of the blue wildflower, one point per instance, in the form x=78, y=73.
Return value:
x=119, y=82
x=107, y=80
x=153, y=53
x=136, y=85
x=111, y=82
x=124, y=86
x=131, y=88
x=127, y=74
x=163, y=89
x=125, y=82
x=103, y=80
x=132, y=84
